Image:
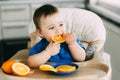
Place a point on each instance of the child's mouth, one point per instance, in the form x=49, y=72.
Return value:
x=59, y=38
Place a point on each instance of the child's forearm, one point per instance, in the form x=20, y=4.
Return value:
x=77, y=52
x=38, y=59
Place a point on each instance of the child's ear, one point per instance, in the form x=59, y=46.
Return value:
x=39, y=33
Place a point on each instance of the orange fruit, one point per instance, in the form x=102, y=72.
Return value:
x=59, y=38
x=65, y=68
x=20, y=69
x=7, y=66
x=46, y=67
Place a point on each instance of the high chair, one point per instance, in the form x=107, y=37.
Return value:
x=88, y=27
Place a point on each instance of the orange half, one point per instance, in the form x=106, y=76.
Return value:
x=20, y=69
x=7, y=66
x=59, y=38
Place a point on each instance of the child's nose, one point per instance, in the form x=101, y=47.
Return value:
x=58, y=31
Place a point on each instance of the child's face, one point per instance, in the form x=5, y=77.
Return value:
x=51, y=25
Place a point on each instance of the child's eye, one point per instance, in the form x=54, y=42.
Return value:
x=61, y=24
x=51, y=28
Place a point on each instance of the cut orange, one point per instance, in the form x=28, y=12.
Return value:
x=59, y=38
x=46, y=67
x=7, y=66
x=20, y=69
x=65, y=68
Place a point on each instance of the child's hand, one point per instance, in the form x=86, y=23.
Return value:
x=70, y=38
x=53, y=48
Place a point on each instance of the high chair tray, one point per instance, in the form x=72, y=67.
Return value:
x=89, y=70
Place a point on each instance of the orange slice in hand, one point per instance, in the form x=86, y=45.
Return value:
x=65, y=68
x=59, y=38
x=7, y=66
x=20, y=69
x=46, y=67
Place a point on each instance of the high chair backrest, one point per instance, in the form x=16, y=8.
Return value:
x=87, y=26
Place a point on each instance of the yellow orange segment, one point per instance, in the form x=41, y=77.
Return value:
x=46, y=67
x=7, y=66
x=59, y=38
x=20, y=69
x=65, y=68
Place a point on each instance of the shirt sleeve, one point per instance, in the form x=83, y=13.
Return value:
x=37, y=48
x=78, y=41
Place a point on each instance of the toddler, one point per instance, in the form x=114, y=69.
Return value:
x=49, y=23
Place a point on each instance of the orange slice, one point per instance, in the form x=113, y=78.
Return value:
x=59, y=38
x=7, y=66
x=46, y=67
x=65, y=68
x=20, y=69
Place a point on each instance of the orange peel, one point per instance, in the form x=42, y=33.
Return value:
x=7, y=66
